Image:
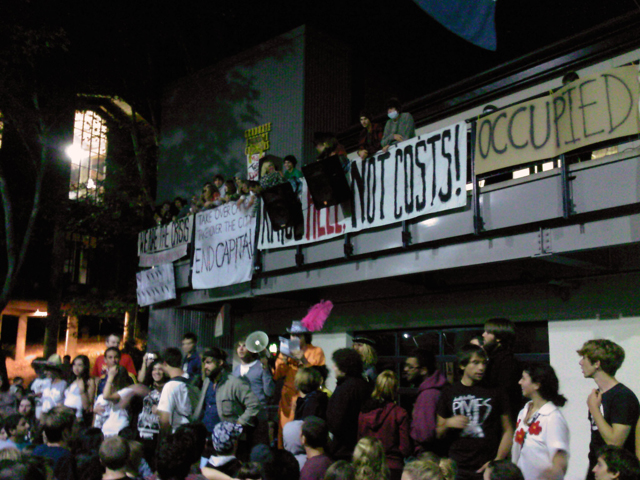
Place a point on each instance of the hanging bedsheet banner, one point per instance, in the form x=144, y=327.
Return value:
x=223, y=247
x=420, y=176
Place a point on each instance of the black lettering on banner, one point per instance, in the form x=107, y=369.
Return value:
x=489, y=141
x=397, y=213
x=607, y=76
x=382, y=183
x=532, y=126
x=583, y=106
x=493, y=134
x=510, y=129
x=408, y=180
x=421, y=202
x=432, y=141
x=570, y=102
x=557, y=117
x=371, y=189
x=445, y=197
x=358, y=181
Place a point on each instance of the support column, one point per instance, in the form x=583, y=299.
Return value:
x=21, y=340
x=71, y=343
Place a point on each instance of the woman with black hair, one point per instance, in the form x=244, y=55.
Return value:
x=81, y=391
x=148, y=420
x=541, y=442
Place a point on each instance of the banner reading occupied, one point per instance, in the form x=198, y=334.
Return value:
x=422, y=175
x=593, y=109
x=223, y=253
x=165, y=243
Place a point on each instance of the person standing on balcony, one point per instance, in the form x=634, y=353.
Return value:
x=287, y=367
x=399, y=127
x=370, y=136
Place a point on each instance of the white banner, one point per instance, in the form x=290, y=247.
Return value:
x=165, y=243
x=223, y=253
x=155, y=285
x=420, y=176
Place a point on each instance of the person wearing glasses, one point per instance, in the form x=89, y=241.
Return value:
x=420, y=369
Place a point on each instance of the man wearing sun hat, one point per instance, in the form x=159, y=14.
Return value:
x=287, y=367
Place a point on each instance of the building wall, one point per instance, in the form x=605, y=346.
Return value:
x=564, y=339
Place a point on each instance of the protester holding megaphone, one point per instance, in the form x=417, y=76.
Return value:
x=254, y=368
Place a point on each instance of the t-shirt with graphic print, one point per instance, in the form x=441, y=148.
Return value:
x=478, y=443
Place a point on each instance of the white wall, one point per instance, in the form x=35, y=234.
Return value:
x=565, y=337
x=330, y=342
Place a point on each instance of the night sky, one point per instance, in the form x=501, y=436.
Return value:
x=135, y=48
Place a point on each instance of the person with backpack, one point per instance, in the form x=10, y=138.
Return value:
x=224, y=398
x=177, y=399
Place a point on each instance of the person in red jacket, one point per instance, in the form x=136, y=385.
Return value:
x=381, y=418
x=100, y=367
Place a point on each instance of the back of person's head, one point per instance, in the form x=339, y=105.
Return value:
x=173, y=458
x=122, y=379
x=323, y=371
x=609, y=354
x=282, y=466
x=620, y=461
x=27, y=468
x=307, y=380
x=426, y=359
x=504, y=470
x=545, y=376
x=386, y=388
x=315, y=432
x=89, y=440
x=467, y=351
x=195, y=434
x=136, y=452
x=369, y=460
x=250, y=471
x=424, y=469
x=215, y=353
x=503, y=329
x=340, y=470
x=190, y=336
x=11, y=422
x=114, y=453
x=348, y=361
x=172, y=356
x=58, y=422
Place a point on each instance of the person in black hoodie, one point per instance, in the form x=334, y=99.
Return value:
x=503, y=370
x=351, y=392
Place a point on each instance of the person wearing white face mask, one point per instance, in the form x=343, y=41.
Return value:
x=399, y=127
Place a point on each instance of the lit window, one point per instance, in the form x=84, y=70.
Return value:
x=88, y=157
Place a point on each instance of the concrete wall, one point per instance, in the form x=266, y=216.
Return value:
x=565, y=337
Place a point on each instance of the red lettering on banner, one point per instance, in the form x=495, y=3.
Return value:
x=339, y=226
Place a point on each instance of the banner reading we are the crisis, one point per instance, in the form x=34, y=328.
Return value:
x=422, y=175
x=593, y=109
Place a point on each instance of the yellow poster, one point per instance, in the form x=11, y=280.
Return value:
x=257, y=143
x=590, y=110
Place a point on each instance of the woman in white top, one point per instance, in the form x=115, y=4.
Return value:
x=53, y=394
x=541, y=441
x=79, y=394
x=111, y=414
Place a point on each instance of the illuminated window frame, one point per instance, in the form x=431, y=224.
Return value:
x=88, y=157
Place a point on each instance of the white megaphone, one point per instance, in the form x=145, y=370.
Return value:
x=257, y=342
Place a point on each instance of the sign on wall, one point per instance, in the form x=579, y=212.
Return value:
x=165, y=243
x=422, y=175
x=593, y=109
x=224, y=247
x=156, y=285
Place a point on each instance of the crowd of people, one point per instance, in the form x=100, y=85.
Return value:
x=184, y=414
x=373, y=139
